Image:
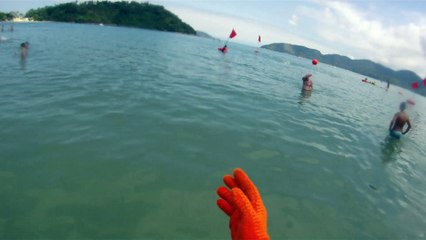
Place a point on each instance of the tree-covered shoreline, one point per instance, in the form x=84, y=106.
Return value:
x=130, y=14
x=6, y=16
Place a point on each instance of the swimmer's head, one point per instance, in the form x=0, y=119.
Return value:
x=306, y=77
x=402, y=106
x=22, y=44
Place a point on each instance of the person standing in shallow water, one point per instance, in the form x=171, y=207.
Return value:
x=24, y=49
x=308, y=85
x=396, y=127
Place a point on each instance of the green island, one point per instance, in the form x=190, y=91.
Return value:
x=402, y=78
x=6, y=16
x=129, y=14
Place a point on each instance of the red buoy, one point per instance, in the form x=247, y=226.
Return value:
x=314, y=61
x=223, y=49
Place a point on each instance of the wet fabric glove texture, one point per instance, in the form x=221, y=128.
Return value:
x=242, y=202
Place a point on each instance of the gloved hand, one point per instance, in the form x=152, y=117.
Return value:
x=243, y=204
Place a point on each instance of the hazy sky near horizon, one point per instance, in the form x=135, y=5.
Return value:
x=389, y=32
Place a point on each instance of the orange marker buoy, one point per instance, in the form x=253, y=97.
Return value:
x=314, y=61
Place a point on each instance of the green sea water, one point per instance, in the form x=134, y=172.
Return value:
x=122, y=133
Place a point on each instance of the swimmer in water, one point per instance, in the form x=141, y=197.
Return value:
x=308, y=85
x=396, y=127
x=24, y=48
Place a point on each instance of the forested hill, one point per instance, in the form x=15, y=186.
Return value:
x=131, y=14
x=402, y=78
x=5, y=16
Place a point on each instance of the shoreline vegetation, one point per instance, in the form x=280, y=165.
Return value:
x=6, y=16
x=128, y=14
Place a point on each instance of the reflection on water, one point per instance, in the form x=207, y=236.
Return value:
x=23, y=63
x=391, y=148
x=304, y=96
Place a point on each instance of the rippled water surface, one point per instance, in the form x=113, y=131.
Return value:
x=111, y=132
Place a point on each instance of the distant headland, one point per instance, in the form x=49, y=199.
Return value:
x=156, y=17
x=402, y=78
x=130, y=14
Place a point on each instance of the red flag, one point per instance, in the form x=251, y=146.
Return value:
x=424, y=82
x=233, y=34
x=259, y=39
x=415, y=85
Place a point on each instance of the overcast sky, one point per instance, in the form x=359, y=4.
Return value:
x=392, y=33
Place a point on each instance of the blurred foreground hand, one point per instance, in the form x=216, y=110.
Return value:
x=241, y=201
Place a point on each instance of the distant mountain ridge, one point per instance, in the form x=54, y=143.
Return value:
x=203, y=34
x=402, y=78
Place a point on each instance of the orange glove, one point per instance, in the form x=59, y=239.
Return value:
x=244, y=206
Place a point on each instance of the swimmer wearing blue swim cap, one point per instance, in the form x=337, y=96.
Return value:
x=396, y=127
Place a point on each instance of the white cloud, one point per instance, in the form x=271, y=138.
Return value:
x=331, y=27
x=357, y=32
x=423, y=44
x=220, y=25
x=293, y=20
